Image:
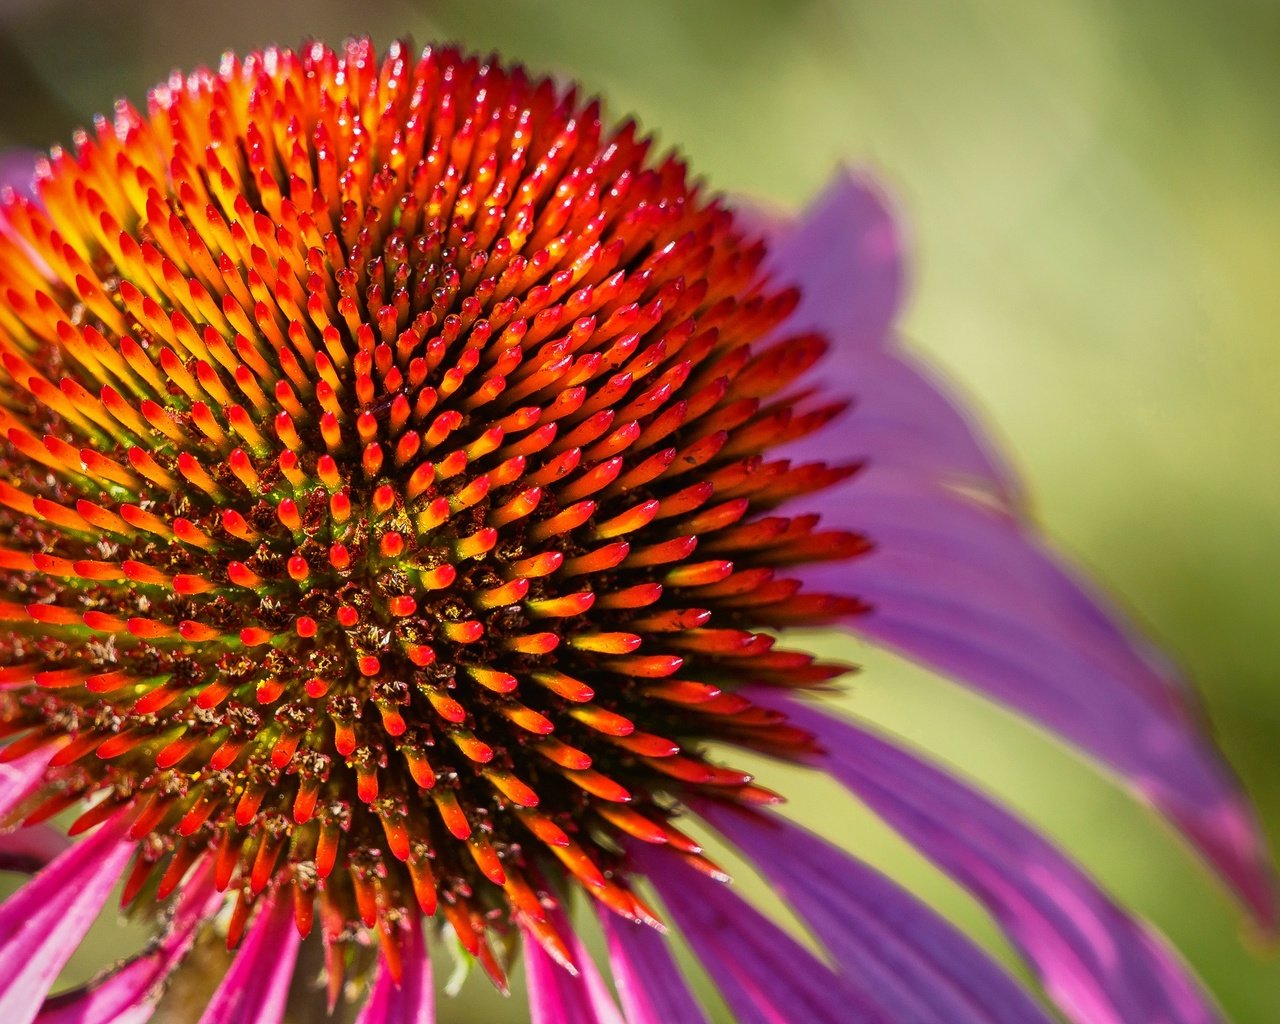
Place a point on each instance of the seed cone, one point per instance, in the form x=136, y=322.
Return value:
x=386, y=505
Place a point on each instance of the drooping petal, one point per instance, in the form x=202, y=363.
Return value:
x=256, y=986
x=129, y=993
x=1097, y=963
x=413, y=1001
x=965, y=591
x=558, y=997
x=911, y=962
x=649, y=983
x=956, y=580
x=764, y=975
x=43, y=922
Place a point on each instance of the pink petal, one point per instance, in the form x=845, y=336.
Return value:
x=43, y=922
x=558, y=997
x=1097, y=963
x=764, y=975
x=128, y=994
x=256, y=986
x=413, y=1001
x=650, y=985
x=910, y=962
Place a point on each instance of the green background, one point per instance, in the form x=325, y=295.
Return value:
x=1091, y=191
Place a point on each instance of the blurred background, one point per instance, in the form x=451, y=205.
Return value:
x=1092, y=192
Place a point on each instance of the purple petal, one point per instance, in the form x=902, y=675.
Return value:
x=256, y=986
x=914, y=965
x=1097, y=963
x=17, y=179
x=965, y=591
x=903, y=418
x=846, y=252
x=43, y=922
x=128, y=994
x=30, y=849
x=413, y=1001
x=650, y=985
x=19, y=778
x=765, y=975
x=558, y=997
x=18, y=170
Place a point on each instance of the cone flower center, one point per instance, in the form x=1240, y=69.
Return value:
x=387, y=502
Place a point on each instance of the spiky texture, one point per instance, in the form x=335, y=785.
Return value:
x=385, y=491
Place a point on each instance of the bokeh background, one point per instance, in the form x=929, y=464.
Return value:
x=1092, y=191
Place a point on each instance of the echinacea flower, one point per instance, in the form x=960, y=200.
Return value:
x=409, y=482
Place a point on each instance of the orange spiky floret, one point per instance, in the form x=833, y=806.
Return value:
x=386, y=486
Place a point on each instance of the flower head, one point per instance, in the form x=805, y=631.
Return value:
x=409, y=477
